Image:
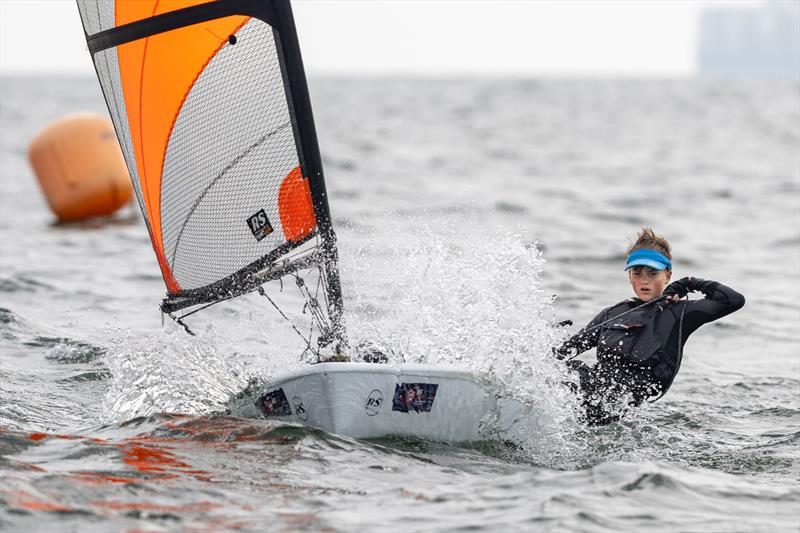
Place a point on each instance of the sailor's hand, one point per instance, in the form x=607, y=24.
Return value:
x=674, y=298
x=677, y=290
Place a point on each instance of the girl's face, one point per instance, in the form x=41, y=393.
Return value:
x=648, y=283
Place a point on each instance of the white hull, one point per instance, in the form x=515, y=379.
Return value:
x=366, y=400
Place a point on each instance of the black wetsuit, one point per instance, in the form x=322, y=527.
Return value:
x=639, y=354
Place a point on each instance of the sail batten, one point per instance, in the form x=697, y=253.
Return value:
x=211, y=108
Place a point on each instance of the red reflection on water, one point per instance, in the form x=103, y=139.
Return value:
x=144, y=456
x=41, y=436
x=199, y=507
x=36, y=505
x=20, y=498
x=97, y=478
x=150, y=459
x=150, y=454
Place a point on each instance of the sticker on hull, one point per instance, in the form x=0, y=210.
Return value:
x=414, y=397
x=274, y=404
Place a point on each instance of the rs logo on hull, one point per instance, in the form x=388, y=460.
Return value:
x=374, y=402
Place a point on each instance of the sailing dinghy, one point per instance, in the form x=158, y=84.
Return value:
x=211, y=107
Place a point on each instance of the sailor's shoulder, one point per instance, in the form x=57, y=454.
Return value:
x=616, y=308
x=628, y=303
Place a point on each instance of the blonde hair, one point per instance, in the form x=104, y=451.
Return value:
x=647, y=239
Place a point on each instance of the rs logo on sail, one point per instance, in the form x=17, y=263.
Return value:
x=259, y=225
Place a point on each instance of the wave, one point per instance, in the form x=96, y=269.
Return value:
x=20, y=283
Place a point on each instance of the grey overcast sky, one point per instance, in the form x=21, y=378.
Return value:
x=374, y=37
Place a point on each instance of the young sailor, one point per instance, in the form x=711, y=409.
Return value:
x=640, y=340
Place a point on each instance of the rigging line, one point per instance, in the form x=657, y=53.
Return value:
x=657, y=300
x=178, y=320
x=316, y=314
x=321, y=283
x=263, y=293
x=313, y=304
x=323, y=279
x=301, y=285
x=307, y=340
x=310, y=335
x=193, y=311
x=321, y=322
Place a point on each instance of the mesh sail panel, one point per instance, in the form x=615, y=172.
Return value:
x=230, y=150
x=107, y=66
x=97, y=15
x=202, y=115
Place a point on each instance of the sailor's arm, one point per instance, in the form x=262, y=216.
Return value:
x=585, y=339
x=720, y=300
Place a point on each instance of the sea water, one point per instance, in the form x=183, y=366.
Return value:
x=472, y=216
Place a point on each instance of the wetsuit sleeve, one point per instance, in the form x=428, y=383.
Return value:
x=719, y=301
x=585, y=339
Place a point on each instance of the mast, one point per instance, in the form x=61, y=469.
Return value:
x=311, y=160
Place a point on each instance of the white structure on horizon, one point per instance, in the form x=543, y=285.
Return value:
x=759, y=42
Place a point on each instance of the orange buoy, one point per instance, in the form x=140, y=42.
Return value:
x=80, y=167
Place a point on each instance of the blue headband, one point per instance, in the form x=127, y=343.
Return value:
x=648, y=258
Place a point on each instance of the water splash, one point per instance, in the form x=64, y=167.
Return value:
x=479, y=305
x=70, y=351
x=172, y=373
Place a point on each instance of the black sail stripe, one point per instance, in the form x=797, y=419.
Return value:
x=178, y=19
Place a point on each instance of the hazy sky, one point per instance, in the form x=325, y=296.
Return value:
x=535, y=38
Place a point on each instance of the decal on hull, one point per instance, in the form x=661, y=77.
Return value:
x=414, y=397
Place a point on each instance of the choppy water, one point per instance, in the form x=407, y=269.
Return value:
x=441, y=191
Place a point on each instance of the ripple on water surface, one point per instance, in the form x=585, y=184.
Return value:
x=430, y=266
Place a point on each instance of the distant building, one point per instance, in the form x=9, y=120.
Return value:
x=755, y=42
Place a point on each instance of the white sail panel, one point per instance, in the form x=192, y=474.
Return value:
x=230, y=150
